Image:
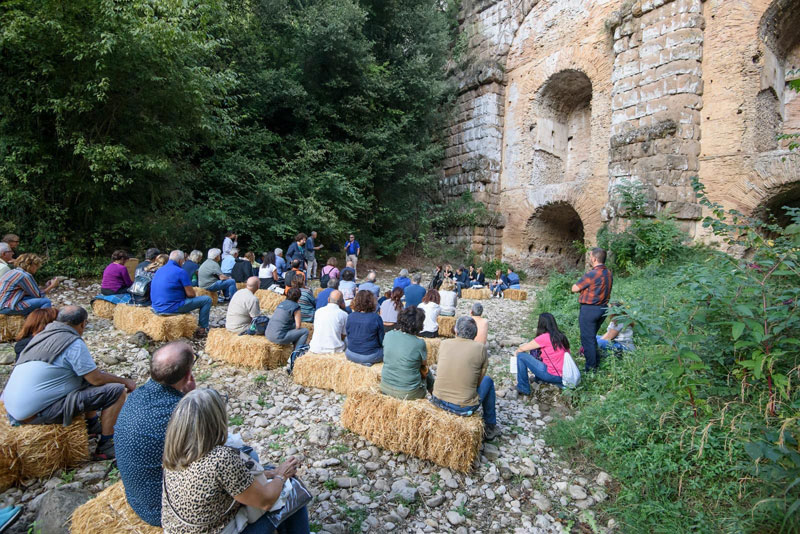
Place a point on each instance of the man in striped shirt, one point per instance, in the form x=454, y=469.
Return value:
x=19, y=292
x=594, y=290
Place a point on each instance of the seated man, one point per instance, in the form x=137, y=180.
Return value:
x=242, y=268
x=211, y=278
x=244, y=307
x=56, y=379
x=370, y=285
x=511, y=279
x=322, y=298
x=142, y=426
x=290, y=275
x=618, y=337
x=227, y=263
x=329, y=326
x=349, y=266
x=461, y=385
x=414, y=292
x=6, y=256
x=171, y=292
x=483, y=324
x=402, y=281
x=149, y=255
x=12, y=240
x=462, y=279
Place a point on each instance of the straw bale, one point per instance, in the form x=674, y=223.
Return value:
x=447, y=326
x=132, y=319
x=310, y=327
x=477, y=294
x=414, y=427
x=131, y=264
x=269, y=300
x=103, y=308
x=432, y=346
x=37, y=451
x=515, y=294
x=109, y=512
x=317, y=291
x=200, y=292
x=240, y=285
x=256, y=352
x=10, y=325
x=334, y=371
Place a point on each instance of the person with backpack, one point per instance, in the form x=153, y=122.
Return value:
x=140, y=289
x=544, y=356
x=328, y=272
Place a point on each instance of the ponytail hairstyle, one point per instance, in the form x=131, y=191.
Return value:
x=397, y=298
x=548, y=325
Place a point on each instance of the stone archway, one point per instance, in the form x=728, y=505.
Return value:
x=561, y=131
x=550, y=234
x=773, y=208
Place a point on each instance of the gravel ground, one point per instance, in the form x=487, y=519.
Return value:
x=520, y=485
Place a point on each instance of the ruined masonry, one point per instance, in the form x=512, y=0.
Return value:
x=561, y=101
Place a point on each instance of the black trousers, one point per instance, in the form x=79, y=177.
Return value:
x=590, y=318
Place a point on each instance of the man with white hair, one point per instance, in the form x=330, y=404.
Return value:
x=228, y=261
x=171, y=292
x=280, y=263
x=211, y=278
x=371, y=285
x=6, y=255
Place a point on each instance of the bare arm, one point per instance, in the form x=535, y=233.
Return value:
x=189, y=290
x=610, y=334
x=262, y=495
x=101, y=378
x=297, y=320
x=529, y=346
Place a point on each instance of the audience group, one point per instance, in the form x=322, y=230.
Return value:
x=169, y=438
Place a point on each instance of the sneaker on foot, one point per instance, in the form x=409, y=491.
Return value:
x=9, y=516
x=200, y=333
x=105, y=450
x=490, y=432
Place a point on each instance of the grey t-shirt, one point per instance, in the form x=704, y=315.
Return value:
x=206, y=272
x=33, y=386
x=281, y=321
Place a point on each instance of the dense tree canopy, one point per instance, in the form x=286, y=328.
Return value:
x=124, y=123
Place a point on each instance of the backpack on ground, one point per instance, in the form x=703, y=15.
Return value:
x=570, y=375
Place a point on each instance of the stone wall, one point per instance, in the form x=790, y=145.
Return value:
x=561, y=101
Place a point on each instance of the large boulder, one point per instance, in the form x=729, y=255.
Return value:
x=56, y=508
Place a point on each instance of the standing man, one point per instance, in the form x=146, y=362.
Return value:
x=230, y=241
x=595, y=290
x=311, y=258
x=352, y=250
x=297, y=251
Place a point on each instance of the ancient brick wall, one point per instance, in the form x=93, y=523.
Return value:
x=560, y=101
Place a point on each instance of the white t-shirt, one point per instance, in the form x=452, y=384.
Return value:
x=431, y=310
x=448, y=300
x=329, y=327
x=265, y=271
x=241, y=309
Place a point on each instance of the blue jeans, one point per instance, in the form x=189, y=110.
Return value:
x=589, y=319
x=605, y=344
x=526, y=361
x=34, y=303
x=497, y=289
x=487, y=397
x=228, y=287
x=297, y=523
x=201, y=303
x=364, y=359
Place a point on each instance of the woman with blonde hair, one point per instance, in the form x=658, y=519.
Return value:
x=205, y=482
x=19, y=292
x=160, y=261
x=448, y=298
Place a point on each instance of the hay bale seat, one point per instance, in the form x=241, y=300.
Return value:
x=414, y=427
x=269, y=300
x=335, y=372
x=515, y=294
x=10, y=325
x=447, y=326
x=240, y=285
x=256, y=352
x=109, y=512
x=132, y=319
x=432, y=347
x=477, y=294
x=310, y=327
x=38, y=451
x=200, y=292
x=103, y=308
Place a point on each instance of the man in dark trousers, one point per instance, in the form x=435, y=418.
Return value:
x=594, y=290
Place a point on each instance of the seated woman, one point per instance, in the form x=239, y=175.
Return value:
x=19, y=292
x=436, y=279
x=251, y=257
x=284, y=325
x=140, y=290
x=364, y=331
x=448, y=299
x=544, y=356
x=391, y=307
x=499, y=285
x=347, y=286
x=480, y=279
x=448, y=272
x=618, y=337
x=205, y=482
x=405, y=373
x=307, y=301
x=430, y=305
x=34, y=323
x=116, y=279
x=268, y=271
x=192, y=264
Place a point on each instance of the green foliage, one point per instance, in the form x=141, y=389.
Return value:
x=236, y=420
x=139, y=123
x=700, y=424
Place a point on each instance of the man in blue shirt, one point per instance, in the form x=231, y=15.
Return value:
x=280, y=263
x=512, y=279
x=414, y=292
x=171, y=292
x=370, y=285
x=402, y=281
x=352, y=250
x=142, y=426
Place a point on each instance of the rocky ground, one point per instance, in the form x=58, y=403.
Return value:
x=519, y=486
